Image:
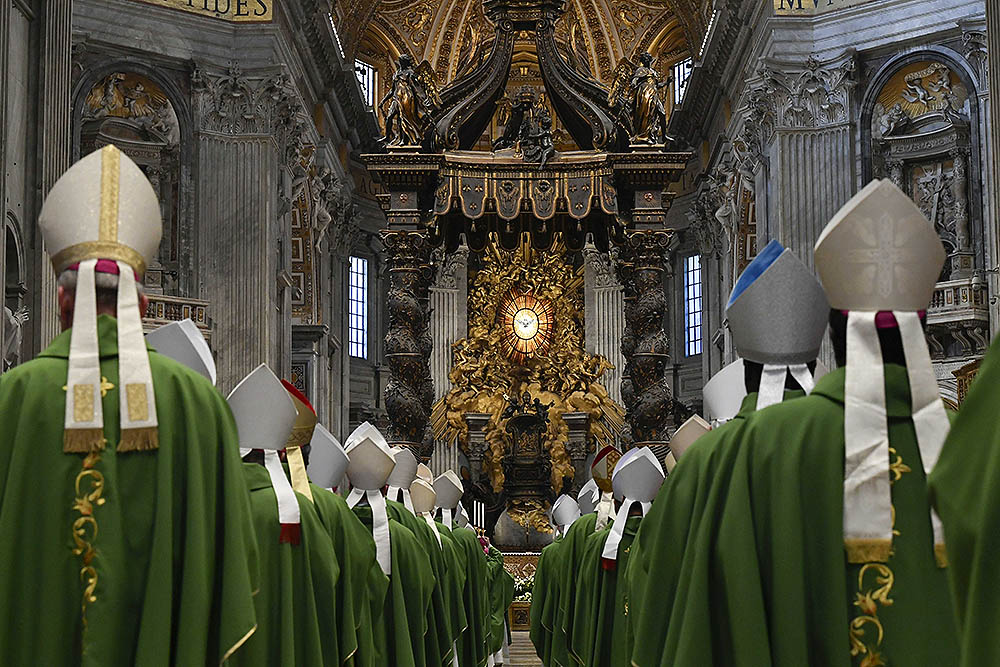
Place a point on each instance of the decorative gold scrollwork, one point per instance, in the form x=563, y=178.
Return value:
x=89, y=487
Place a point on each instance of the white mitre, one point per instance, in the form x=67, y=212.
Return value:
x=588, y=496
x=370, y=459
x=423, y=496
x=636, y=479
x=183, y=342
x=370, y=462
x=687, y=433
x=723, y=395
x=403, y=473
x=879, y=259
x=449, y=493
x=265, y=414
x=424, y=473
x=102, y=215
x=565, y=511
x=778, y=314
x=327, y=459
x=461, y=516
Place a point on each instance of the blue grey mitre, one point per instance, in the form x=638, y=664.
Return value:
x=778, y=311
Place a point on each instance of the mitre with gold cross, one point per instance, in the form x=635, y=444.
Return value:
x=102, y=216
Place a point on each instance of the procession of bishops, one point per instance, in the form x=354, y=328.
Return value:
x=829, y=517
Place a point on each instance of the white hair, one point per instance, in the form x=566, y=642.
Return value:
x=107, y=287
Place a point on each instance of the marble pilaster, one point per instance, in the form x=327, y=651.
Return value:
x=245, y=123
x=604, y=316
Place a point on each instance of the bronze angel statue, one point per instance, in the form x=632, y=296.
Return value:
x=635, y=97
x=411, y=101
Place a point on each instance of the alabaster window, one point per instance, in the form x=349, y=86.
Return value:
x=358, y=307
x=692, y=305
x=368, y=79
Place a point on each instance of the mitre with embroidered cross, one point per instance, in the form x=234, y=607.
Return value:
x=777, y=314
x=635, y=480
x=264, y=415
x=102, y=215
x=369, y=466
x=687, y=433
x=183, y=342
x=449, y=491
x=879, y=259
x=327, y=459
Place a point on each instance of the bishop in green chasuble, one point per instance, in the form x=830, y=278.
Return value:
x=402, y=621
x=473, y=643
x=965, y=488
x=111, y=558
x=501, y=594
x=544, y=600
x=361, y=580
x=298, y=598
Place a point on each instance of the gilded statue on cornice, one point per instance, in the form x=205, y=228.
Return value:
x=636, y=99
x=411, y=101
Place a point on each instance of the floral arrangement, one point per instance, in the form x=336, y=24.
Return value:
x=523, y=587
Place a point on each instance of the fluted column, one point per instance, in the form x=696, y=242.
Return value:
x=449, y=323
x=993, y=58
x=801, y=116
x=604, y=316
x=245, y=122
x=53, y=142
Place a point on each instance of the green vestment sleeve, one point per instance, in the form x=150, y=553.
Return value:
x=356, y=554
x=764, y=578
x=440, y=634
x=965, y=487
x=297, y=602
x=155, y=549
x=400, y=628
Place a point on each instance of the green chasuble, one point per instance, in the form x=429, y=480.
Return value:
x=690, y=492
x=501, y=592
x=455, y=560
x=400, y=624
x=472, y=647
x=361, y=578
x=440, y=632
x=965, y=488
x=765, y=578
x=133, y=558
x=544, y=600
x=598, y=633
x=297, y=601
x=566, y=566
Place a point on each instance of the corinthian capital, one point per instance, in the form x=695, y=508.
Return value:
x=810, y=94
